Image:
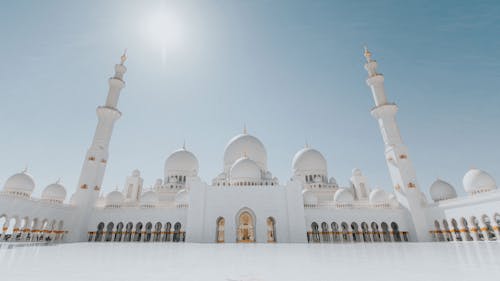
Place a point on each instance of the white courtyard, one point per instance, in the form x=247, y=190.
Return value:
x=252, y=262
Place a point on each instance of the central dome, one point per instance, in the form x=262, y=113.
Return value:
x=245, y=145
x=309, y=160
x=181, y=162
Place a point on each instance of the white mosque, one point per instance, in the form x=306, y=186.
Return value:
x=245, y=203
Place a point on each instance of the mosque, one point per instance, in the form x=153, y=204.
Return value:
x=245, y=203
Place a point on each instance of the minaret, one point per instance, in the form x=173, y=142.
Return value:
x=400, y=167
x=94, y=165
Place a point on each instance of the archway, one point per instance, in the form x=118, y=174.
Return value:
x=366, y=232
x=447, y=231
x=438, y=232
x=335, y=232
x=246, y=227
x=220, y=225
x=271, y=230
x=157, y=232
x=395, y=232
x=345, y=232
x=168, y=227
x=355, y=232
x=325, y=234
x=315, y=232
x=119, y=232
x=466, y=230
x=490, y=233
x=385, y=232
x=375, y=232
x=138, y=232
x=177, y=232
x=99, y=233
x=456, y=230
x=128, y=232
x=147, y=234
x=476, y=228
x=109, y=232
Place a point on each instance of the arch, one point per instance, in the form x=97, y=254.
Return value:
x=490, y=233
x=345, y=232
x=386, y=234
x=395, y=232
x=456, y=230
x=375, y=232
x=315, y=232
x=335, y=232
x=99, y=232
x=157, y=232
x=149, y=227
x=245, y=220
x=465, y=228
x=219, y=232
x=476, y=228
x=109, y=232
x=438, y=232
x=138, y=232
x=271, y=230
x=366, y=232
x=128, y=232
x=447, y=231
x=355, y=232
x=177, y=232
x=325, y=234
x=4, y=224
x=119, y=232
x=168, y=227
x=34, y=230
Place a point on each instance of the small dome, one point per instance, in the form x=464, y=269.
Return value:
x=378, y=196
x=343, y=196
x=245, y=144
x=441, y=190
x=54, y=192
x=114, y=198
x=356, y=172
x=149, y=198
x=181, y=162
x=182, y=197
x=22, y=183
x=477, y=181
x=309, y=160
x=309, y=198
x=245, y=169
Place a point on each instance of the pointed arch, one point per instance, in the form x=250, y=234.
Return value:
x=245, y=221
x=219, y=232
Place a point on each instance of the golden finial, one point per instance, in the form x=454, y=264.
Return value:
x=306, y=144
x=123, y=58
x=184, y=145
x=368, y=54
x=244, y=128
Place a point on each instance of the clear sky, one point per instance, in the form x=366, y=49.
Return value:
x=290, y=70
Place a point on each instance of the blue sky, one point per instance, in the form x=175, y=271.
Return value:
x=290, y=70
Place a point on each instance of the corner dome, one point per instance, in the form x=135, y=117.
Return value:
x=245, y=169
x=181, y=162
x=441, y=190
x=54, y=192
x=343, y=196
x=378, y=196
x=149, y=198
x=478, y=181
x=309, y=198
x=114, y=199
x=245, y=144
x=20, y=183
x=309, y=160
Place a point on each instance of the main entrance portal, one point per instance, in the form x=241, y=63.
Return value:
x=246, y=228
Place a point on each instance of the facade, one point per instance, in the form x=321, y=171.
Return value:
x=257, y=207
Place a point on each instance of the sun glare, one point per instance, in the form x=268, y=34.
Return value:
x=165, y=32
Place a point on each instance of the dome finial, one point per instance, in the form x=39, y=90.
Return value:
x=58, y=180
x=123, y=58
x=367, y=54
x=25, y=170
x=306, y=144
x=245, y=128
x=184, y=144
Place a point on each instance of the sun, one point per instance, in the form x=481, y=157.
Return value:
x=164, y=30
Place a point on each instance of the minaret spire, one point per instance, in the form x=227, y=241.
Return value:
x=401, y=169
x=96, y=159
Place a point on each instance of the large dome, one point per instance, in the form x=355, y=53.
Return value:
x=441, y=190
x=181, y=162
x=21, y=183
x=245, y=169
x=54, y=192
x=245, y=145
x=477, y=181
x=309, y=160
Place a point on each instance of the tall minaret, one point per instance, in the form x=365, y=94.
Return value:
x=94, y=165
x=400, y=167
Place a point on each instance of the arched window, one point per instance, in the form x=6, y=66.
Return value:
x=177, y=232
x=447, y=231
x=138, y=232
x=366, y=232
x=355, y=232
x=148, y=234
x=395, y=232
x=220, y=237
x=386, y=232
x=315, y=232
x=456, y=230
x=335, y=232
x=109, y=232
x=99, y=233
x=375, y=232
x=476, y=228
x=325, y=234
x=157, y=232
x=119, y=232
x=168, y=229
x=345, y=232
x=489, y=229
x=271, y=230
